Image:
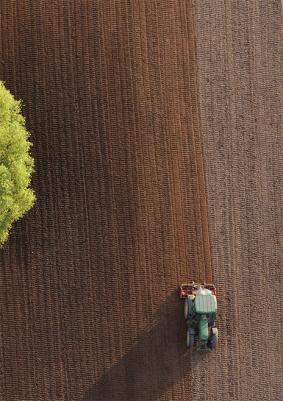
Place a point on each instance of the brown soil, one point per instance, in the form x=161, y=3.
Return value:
x=111, y=91
x=240, y=49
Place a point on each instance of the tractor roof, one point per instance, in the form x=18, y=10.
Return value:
x=205, y=301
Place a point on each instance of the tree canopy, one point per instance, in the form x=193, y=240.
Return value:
x=16, y=163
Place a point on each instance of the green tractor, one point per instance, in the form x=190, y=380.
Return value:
x=200, y=310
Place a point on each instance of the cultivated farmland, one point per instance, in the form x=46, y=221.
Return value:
x=156, y=142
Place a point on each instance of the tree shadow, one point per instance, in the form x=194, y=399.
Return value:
x=158, y=359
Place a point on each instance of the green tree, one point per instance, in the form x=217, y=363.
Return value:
x=16, y=164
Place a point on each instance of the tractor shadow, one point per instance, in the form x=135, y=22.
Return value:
x=158, y=359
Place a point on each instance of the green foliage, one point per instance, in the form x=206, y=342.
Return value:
x=16, y=164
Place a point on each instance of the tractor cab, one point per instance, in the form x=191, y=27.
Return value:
x=205, y=301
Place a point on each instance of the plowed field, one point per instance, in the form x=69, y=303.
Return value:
x=156, y=140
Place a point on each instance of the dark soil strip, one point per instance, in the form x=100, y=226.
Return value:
x=88, y=279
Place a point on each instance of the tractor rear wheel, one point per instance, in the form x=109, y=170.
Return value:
x=213, y=341
x=190, y=337
x=188, y=307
